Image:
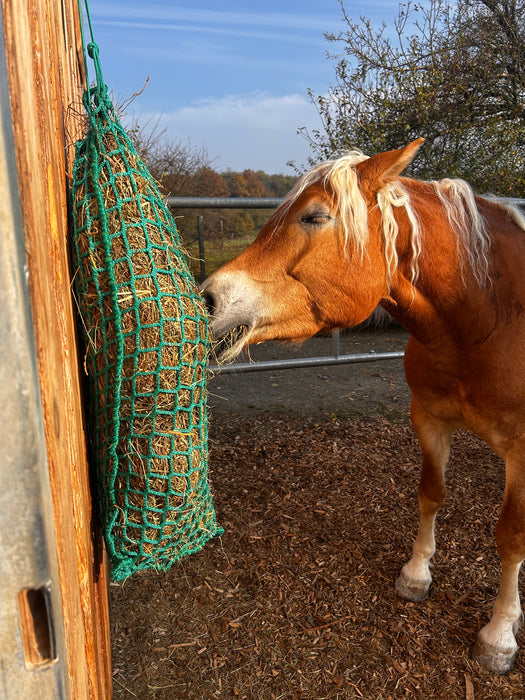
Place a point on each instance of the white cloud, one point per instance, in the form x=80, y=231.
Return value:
x=258, y=32
x=255, y=130
x=145, y=14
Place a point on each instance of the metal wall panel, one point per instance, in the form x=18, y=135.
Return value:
x=31, y=627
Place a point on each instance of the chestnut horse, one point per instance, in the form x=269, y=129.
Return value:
x=450, y=267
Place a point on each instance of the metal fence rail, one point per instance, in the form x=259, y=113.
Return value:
x=301, y=362
x=223, y=202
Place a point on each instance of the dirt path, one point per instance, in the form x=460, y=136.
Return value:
x=314, y=474
x=344, y=390
x=296, y=601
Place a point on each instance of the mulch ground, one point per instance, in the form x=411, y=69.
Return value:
x=297, y=599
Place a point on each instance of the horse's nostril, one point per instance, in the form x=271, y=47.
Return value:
x=209, y=300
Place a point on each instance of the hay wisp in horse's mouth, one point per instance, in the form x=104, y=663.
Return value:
x=228, y=346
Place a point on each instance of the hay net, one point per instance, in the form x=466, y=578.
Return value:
x=146, y=345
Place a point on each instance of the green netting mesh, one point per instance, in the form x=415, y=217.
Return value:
x=145, y=331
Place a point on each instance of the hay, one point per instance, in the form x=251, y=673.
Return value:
x=226, y=348
x=146, y=353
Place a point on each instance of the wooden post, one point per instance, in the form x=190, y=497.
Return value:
x=45, y=79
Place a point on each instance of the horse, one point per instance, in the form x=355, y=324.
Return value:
x=449, y=266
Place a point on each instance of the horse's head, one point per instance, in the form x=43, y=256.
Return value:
x=320, y=262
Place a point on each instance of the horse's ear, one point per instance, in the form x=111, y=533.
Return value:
x=379, y=170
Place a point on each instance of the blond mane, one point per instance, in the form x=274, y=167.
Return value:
x=456, y=197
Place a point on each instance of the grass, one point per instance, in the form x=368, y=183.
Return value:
x=217, y=251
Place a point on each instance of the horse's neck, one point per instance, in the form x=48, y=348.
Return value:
x=445, y=300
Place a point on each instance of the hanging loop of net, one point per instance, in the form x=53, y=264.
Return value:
x=145, y=329
x=96, y=97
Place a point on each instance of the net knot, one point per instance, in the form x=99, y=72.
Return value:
x=96, y=98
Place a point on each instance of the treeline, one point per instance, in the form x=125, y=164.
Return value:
x=206, y=182
x=184, y=170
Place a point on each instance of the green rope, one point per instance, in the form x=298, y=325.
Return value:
x=82, y=34
x=146, y=346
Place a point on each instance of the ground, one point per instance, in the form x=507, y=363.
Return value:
x=344, y=390
x=314, y=474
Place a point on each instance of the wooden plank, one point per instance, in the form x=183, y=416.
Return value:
x=45, y=84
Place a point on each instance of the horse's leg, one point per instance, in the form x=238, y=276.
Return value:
x=496, y=645
x=414, y=580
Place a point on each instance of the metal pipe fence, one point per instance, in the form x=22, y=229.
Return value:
x=223, y=202
x=302, y=362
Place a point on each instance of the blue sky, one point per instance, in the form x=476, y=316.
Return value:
x=229, y=76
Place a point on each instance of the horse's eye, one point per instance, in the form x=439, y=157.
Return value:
x=316, y=219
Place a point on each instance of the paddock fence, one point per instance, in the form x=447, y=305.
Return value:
x=332, y=358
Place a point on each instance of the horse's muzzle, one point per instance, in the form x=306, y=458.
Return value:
x=231, y=302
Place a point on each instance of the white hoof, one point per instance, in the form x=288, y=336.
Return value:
x=412, y=589
x=492, y=658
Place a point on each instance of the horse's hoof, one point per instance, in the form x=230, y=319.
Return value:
x=409, y=589
x=493, y=659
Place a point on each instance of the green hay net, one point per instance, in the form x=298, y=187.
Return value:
x=146, y=345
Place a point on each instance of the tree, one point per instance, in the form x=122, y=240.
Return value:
x=453, y=73
x=276, y=185
x=246, y=184
x=172, y=162
x=182, y=170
